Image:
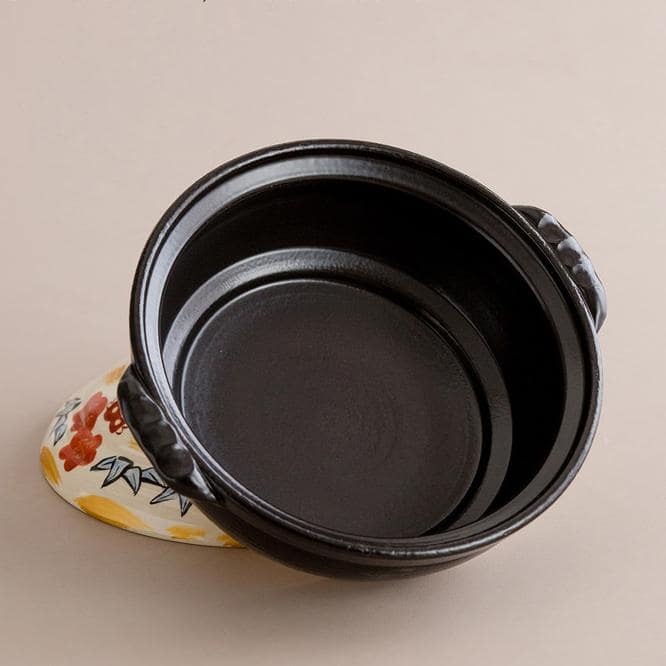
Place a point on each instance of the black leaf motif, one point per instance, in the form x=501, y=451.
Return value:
x=118, y=467
x=69, y=406
x=132, y=476
x=164, y=496
x=104, y=463
x=149, y=475
x=185, y=504
x=59, y=429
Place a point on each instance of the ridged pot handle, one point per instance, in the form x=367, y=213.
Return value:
x=571, y=254
x=172, y=461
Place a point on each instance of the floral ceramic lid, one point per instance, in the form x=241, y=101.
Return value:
x=90, y=458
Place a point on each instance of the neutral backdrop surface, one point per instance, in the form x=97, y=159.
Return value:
x=111, y=109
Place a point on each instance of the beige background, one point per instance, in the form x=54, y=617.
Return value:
x=112, y=108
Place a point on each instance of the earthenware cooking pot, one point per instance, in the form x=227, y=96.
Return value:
x=359, y=361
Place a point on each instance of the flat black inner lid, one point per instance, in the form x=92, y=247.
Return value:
x=336, y=405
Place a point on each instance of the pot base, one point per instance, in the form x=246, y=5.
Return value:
x=342, y=394
x=90, y=459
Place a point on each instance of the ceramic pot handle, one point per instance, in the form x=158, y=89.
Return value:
x=571, y=254
x=171, y=459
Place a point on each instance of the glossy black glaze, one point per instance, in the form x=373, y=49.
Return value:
x=361, y=362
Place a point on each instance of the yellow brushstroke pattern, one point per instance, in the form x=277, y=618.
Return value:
x=49, y=466
x=131, y=442
x=185, y=532
x=114, y=375
x=110, y=512
x=228, y=542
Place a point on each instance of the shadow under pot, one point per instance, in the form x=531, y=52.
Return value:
x=361, y=362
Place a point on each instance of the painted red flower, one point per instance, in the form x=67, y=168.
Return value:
x=87, y=416
x=81, y=450
x=115, y=418
x=83, y=446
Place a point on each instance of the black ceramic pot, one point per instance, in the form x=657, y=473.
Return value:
x=361, y=362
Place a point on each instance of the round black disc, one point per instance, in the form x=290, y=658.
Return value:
x=336, y=405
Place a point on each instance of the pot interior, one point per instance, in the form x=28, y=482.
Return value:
x=340, y=348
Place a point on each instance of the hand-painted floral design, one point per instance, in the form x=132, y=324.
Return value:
x=113, y=415
x=120, y=467
x=101, y=441
x=83, y=446
x=87, y=416
x=60, y=425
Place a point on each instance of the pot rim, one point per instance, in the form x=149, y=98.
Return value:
x=457, y=542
